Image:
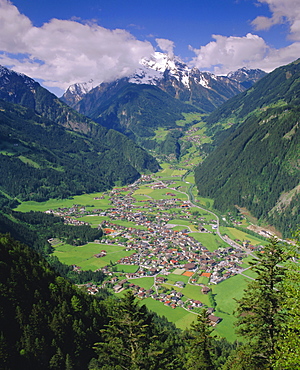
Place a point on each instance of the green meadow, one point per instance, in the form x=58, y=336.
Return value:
x=144, y=282
x=172, y=278
x=84, y=200
x=178, y=221
x=209, y=240
x=238, y=234
x=93, y=220
x=179, y=316
x=127, y=268
x=225, y=294
x=83, y=256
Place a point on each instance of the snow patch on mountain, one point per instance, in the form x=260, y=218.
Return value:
x=154, y=69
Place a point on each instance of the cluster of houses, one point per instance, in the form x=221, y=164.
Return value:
x=159, y=250
x=172, y=298
x=156, y=249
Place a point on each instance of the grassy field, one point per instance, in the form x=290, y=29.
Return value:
x=144, y=282
x=127, y=268
x=194, y=292
x=172, y=278
x=178, y=221
x=83, y=256
x=179, y=316
x=93, y=220
x=210, y=241
x=84, y=199
x=205, y=202
x=238, y=234
x=225, y=294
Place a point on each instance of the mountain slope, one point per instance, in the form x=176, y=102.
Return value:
x=50, y=150
x=204, y=90
x=40, y=159
x=256, y=161
x=45, y=322
x=135, y=110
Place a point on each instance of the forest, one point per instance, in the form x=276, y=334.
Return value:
x=253, y=163
x=35, y=229
x=48, y=323
x=43, y=160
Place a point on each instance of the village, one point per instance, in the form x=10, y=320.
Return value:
x=156, y=249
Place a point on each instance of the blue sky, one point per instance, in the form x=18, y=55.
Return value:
x=63, y=42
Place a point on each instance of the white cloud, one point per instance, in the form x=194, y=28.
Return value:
x=166, y=46
x=63, y=52
x=226, y=54
x=283, y=12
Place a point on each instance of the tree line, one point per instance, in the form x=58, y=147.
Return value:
x=48, y=323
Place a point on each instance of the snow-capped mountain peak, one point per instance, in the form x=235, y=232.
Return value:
x=154, y=69
x=244, y=75
x=76, y=91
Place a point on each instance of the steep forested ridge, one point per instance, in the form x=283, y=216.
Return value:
x=136, y=110
x=56, y=152
x=41, y=160
x=256, y=161
x=45, y=321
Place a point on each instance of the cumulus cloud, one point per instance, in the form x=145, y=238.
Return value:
x=226, y=54
x=63, y=52
x=166, y=46
x=283, y=12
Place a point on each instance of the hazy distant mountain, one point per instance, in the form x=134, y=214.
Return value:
x=256, y=161
x=247, y=77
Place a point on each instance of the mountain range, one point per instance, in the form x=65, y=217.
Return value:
x=204, y=90
x=156, y=95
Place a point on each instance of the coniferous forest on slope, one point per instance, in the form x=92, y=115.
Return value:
x=254, y=163
x=48, y=323
x=44, y=160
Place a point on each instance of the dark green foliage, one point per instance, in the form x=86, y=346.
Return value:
x=256, y=160
x=35, y=228
x=46, y=323
x=135, y=110
x=259, y=312
x=171, y=144
x=199, y=347
x=131, y=340
x=287, y=350
x=44, y=160
x=47, y=225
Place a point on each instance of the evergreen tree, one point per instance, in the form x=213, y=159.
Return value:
x=199, y=347
x=287, y=351
x=260, y=314
x=128, y=340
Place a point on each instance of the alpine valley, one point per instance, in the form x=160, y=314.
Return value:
x=160, y=187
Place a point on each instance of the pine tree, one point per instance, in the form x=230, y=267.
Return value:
x=199, y=347
x=259, y=312
x=287, y=351
x=128, y=340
